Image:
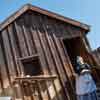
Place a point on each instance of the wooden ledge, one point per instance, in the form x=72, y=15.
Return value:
x=29, y=58
x=36, y=78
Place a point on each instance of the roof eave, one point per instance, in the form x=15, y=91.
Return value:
x=45, y=12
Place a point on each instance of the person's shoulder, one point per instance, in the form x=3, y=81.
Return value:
x=87, y=66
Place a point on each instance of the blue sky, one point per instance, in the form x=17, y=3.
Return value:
x=86, y=11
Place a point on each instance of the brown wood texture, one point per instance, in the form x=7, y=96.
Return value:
x=27, y=7
x=36, y=36
x=96, y=58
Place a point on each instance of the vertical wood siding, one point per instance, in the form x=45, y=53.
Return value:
x=33, y=33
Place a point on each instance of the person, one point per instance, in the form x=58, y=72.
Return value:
x=85, y=85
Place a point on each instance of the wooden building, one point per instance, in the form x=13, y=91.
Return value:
x=38, y=49
x=96, y=55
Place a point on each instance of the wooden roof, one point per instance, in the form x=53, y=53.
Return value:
x=45, y=12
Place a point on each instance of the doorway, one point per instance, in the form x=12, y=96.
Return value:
x=75, y=47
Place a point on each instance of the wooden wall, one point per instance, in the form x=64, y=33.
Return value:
x=35, y=34
x=96, y=55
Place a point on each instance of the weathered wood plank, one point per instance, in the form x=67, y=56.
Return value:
x=46, y=53
x=67, y=68
x=39, y=91
x=56, y=82
x=62, y=58
x=1, y=84
x=21, y=40
x=37, y=78
x=63, y=76
x=50, y=31
x=27, y=23
x=29, y=58
x=41, y=57
x=67, y=57
x=23, y=45
x=6, y=83
x=4, y=79
x=15, y=55
x=48, y=47
x=15, y=52
x=8, y=55
x=28, y=40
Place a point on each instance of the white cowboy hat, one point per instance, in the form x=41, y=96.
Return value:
x=85, y=71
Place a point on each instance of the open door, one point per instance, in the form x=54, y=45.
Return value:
x=75, y=47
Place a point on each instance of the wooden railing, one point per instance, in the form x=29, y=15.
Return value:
x=30, y=86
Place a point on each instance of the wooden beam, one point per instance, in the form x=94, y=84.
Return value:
x=29, y=58
x=37, y=78
x=44, y=12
